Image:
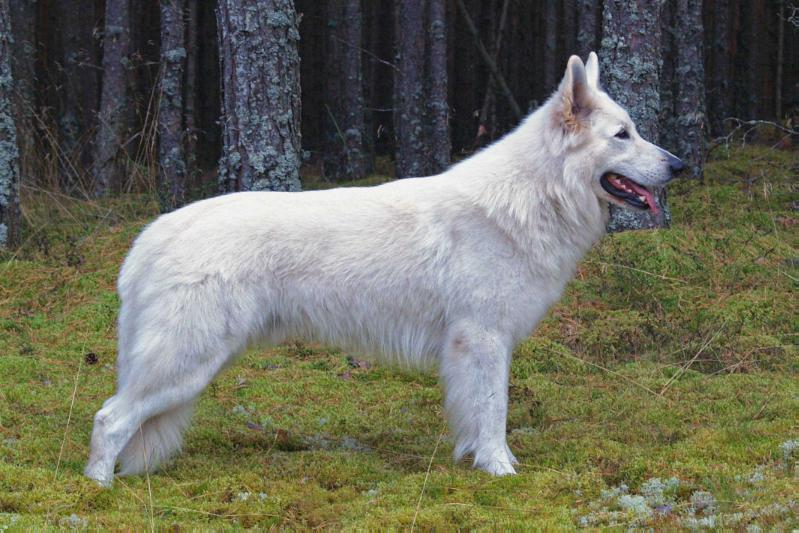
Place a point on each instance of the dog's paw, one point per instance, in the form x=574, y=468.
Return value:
x=498, y=463
x=498, y=468
x=103, y=480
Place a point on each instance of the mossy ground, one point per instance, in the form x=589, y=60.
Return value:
x=672, y=355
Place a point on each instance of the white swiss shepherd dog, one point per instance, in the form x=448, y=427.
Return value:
x=449, y=271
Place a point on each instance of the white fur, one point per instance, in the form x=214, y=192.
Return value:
x=449, y=271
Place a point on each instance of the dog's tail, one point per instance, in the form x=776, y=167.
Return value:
x=158, y=439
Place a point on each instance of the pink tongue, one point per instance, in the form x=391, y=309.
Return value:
x=650, y=198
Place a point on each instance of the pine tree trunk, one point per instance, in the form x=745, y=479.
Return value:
x=77, y=86
x=688, y=136
x=9, y=155
x=409, y=95
x=344, y=157
x=190, y=118
x=109, y=164
x=171, y=157
x=23, y=62
x=568, y=30
x=259, y=69
x=551, y=67
x=438, y=102
x=631, y=63
x=720, y=90
x=667, y=121
x=421, y=105
x=587, y=27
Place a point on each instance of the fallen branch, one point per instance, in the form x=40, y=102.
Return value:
x=490, y=63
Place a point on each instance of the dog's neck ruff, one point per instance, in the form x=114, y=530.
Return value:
x=548, y=208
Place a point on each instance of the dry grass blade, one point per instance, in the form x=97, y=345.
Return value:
x=687, y=365
x=616, y=265
x=609, y=371
x=426, y=476
x=69, y=416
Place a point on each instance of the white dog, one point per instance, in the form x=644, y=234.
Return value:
x=451, y=270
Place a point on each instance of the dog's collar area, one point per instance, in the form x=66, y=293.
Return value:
x=628, y=191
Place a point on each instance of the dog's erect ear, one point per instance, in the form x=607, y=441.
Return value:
x=592, y=70
x=575, y=96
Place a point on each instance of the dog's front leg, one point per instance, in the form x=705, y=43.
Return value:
x=474, y=368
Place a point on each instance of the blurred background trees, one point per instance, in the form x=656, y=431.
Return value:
x=244, y=92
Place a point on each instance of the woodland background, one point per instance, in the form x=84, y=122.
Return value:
x=130, y=95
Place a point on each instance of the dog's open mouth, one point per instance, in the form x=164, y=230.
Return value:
x=628, y=191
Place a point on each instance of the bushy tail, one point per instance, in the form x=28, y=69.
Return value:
x=158, y=439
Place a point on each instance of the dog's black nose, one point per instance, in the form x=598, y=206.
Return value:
x=675, y=164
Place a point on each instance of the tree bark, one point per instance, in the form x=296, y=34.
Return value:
x=9, y=154
x=344, y=157
x=551, y=68
x=171, y=155
x=421, y=106
x=780, y=59
x=23, y=62
x=409, y=94
x=440, y=146
x=190, y=118
x=587, y=26
x=631, y=63
x=568, y=30
x=77, y=86
x=689, y=126
x=720, y=90
x=259, y=64
x=109, y=165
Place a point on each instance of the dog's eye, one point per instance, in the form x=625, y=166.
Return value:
x=622, y=134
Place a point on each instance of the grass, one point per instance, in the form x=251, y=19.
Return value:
x=661, y=391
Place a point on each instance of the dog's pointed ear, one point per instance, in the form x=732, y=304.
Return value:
x=575, y=96
x=592, y=70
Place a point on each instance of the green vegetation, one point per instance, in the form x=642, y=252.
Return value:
x=661, y=391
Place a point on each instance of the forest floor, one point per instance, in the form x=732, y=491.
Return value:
x=661, y=391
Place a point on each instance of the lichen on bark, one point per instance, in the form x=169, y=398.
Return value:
x=9, y=153
x=421, y=110
x=259, y=58
x=171, y=154
x=630, y=64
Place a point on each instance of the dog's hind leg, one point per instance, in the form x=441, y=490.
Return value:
x=142, y=424
x=475, y=365
x=165, y=362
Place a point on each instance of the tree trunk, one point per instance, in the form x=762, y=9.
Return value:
x=780, y=58
x=23, y=62
x=9, y=155
x=568, y=30
x=421, y=112
x=631, y=65
x=551, y=67
x=587, y=27
x=171, y=158
x=344, y=157
x=409, y=96
x=259, y=63
x=190, y=118
x=77, y=85
x=438, y=103
x=109, y=164
x=720, y=90
x=688, y=137
x=668, y=79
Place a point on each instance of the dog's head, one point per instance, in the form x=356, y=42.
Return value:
x=598, y=137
